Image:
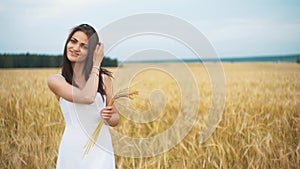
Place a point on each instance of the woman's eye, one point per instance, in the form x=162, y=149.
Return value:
x=85, y=47
x=73, y=40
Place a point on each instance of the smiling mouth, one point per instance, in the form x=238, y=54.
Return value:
x=74, y=54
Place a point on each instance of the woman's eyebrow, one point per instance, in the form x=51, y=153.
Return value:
x=77, y=41
x=73, y=38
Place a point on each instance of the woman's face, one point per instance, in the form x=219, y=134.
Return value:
x=77, y=47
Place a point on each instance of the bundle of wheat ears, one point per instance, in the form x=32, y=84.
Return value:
x=124, y=93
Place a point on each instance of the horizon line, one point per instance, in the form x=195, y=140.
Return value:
x=292, y=56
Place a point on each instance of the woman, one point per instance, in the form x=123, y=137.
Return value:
x=83, y=90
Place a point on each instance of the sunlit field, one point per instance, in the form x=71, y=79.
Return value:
x=259, y=127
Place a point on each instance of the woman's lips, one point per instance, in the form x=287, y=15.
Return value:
x=74, y=53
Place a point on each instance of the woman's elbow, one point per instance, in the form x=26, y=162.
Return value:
x=86, y=100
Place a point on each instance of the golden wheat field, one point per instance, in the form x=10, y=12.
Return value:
x=259, y=127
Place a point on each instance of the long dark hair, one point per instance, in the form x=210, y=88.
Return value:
x=67, y=70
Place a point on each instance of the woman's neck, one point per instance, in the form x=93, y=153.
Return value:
x=78, y=74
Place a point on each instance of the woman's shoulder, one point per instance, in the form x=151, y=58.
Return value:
x=55, y=77
x=54, y=81
x=58, y=75
x=105, y=72
x=106, y=78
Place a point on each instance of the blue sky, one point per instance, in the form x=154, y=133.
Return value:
x=234, y=28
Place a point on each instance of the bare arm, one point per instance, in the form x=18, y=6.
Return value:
x=109, y=113
x=61, y=88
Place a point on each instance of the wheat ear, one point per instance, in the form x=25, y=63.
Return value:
x=124, y=93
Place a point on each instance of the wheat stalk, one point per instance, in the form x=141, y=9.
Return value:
x=124, y=93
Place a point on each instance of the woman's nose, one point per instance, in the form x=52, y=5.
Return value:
x=76, y=47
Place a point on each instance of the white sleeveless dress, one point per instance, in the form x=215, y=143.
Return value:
x=81, y=120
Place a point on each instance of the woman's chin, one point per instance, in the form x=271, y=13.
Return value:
x=76, y=59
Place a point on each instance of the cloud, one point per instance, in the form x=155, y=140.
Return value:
x=259, y=35
x=232, y=26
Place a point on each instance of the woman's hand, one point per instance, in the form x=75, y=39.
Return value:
x=98, y=54
x=110, y=116
x=107, y=112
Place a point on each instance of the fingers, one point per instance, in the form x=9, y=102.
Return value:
x=99, y=48
x=107, y=112
x=99, y=52
x=100, y=45
x=108, y=108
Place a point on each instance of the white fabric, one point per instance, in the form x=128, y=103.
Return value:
x=81, y=120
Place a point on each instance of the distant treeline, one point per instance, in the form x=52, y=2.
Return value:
x=275, y=58
x=28, y=60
